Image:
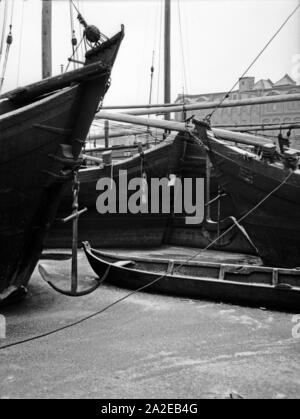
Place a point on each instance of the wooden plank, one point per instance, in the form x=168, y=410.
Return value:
x=24, y=94
x=169, y=107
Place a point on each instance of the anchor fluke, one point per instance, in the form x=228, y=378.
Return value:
x=49, y=278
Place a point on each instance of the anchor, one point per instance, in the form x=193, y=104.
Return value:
x=47, y=277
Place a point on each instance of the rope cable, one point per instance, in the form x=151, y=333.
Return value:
x=20, y=42
x=71, y=17
x=184, y=73
x=160, y=50
x=93, y=315
x=74, y=53
x=9, y=41
x=75, y=7
x=254, y=61
x=12, y=11
x=151, y=79
x=5, y=15
x=73, y=35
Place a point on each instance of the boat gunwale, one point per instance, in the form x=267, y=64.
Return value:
x=209, y=280
x=254, y=158
x=37, y=103
x=255, y=268
x=165, y=143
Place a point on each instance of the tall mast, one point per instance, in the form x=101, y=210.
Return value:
x=298, y=36
x=46, y=38
x=167, y=54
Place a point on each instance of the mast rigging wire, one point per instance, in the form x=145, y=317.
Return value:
x=151, y=78
x=161, y=277
x=209, y=116
x=9, y=41
x=20, y=42
x=184, y=73
x=5, y=14
x=73, y=36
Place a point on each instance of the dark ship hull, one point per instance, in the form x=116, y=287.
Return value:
x=42, y=134
x=183, y=156
x=274, y=226
x=179, y=233
x=111, y=230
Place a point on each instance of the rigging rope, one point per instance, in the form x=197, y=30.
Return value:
x=97, y=313
x=8, y=44
x=74, y=54
x=20, y=42
x=182, y=50
x=151, y=79
x=208, y=117
x=74, y=41
x=5, y=14
x=75, y=7
x=9, y=41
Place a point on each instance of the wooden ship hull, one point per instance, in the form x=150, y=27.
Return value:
x=194, y=165
x=111, y=230
x=43, y=128
x=183, y=156
x=252, y=286
x=274, y=226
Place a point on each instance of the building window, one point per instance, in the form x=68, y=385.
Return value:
x=291, y=106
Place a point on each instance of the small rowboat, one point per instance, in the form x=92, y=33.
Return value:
x=253, y=286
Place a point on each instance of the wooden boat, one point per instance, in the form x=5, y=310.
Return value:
x=269, y=180
x=42, y=130
x=218, y=211
x=253, y=286
x=181, y=155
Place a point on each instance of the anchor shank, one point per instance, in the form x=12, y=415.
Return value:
x=208, y=180
x=74, y=284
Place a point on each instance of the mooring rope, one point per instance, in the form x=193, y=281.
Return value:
x=20, y=43
x=155, y=281
x=254, y=61
x=5, y=15
x=9, y=41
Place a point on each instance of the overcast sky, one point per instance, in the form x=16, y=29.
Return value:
x=219, y=37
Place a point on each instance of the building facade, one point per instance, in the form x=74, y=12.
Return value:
x=254, y=115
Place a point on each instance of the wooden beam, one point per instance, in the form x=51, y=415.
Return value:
x=117, y=134
x=154, y=123
x=24, y=94
x=182, y=127
x=154, y=109
x=227, y=104
x=46, y=39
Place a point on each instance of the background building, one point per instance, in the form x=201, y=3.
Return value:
x=277, y=113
